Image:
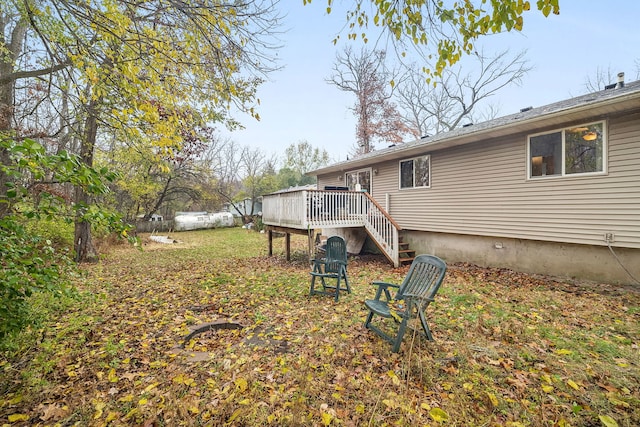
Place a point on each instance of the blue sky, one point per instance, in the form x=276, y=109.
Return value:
x=297, y=103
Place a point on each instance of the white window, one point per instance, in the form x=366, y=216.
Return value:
x=415, y=173
x=570, y=151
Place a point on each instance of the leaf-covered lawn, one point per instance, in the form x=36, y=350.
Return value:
x=510, y=349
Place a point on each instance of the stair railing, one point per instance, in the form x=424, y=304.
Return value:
x=383, y=229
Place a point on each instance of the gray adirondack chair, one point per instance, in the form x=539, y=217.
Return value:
x=332, y=267
x=411, y=300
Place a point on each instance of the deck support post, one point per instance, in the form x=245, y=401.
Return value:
x=287, y=238
x=310, y=240
x=287, y=245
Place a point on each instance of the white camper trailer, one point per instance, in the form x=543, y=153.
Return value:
x=184, y=221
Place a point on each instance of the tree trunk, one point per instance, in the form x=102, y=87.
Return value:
x=12, y=48
x=159, y=200
x=82, y=242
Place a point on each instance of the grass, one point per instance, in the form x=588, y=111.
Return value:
x=510, y=349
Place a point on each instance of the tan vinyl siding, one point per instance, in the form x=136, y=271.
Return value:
x=482, y=188
x=387, y=180
x=331, y=180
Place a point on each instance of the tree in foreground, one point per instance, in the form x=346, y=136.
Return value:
x=112, y=68
x=132, y=68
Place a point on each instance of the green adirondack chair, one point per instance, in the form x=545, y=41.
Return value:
x=332, y=267
x=411, y=300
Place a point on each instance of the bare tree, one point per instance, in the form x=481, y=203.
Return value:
x=365, y=75
x=223, y=161
x=604, y=77
x=239, y=173
x=600, y=79
x=259, y=177
x=431, y=109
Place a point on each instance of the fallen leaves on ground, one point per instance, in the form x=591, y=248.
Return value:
x=510, y=349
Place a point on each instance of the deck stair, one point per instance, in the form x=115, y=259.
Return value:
x=405, y=254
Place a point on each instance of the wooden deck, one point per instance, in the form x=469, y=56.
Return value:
x=304, y=211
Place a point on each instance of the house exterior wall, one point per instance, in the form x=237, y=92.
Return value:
x=330, y=180
x=482, y=189
x=481, y=208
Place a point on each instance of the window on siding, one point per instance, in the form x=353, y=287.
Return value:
x=415, y=172
x=569, y=151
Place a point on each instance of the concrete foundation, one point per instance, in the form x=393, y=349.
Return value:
x=593, y=263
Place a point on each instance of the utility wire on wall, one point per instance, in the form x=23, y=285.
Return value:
x=622, y=265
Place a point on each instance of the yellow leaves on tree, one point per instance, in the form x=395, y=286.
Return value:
x=451, y=27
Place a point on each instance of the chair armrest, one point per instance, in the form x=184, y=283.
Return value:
x=318, y=264
x=384, y=286
x=325, y=261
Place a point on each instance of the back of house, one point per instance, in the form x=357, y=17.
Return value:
x=552, y=190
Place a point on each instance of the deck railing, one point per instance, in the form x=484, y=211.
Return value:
x=312, y=209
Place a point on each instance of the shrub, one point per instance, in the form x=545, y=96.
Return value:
x=29, y=263
x=36, y=257
x=57, y=230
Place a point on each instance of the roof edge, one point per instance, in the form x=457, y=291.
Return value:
x=467, y=135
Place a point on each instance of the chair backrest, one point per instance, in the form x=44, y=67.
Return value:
x=424, y=278
x=336, y=254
